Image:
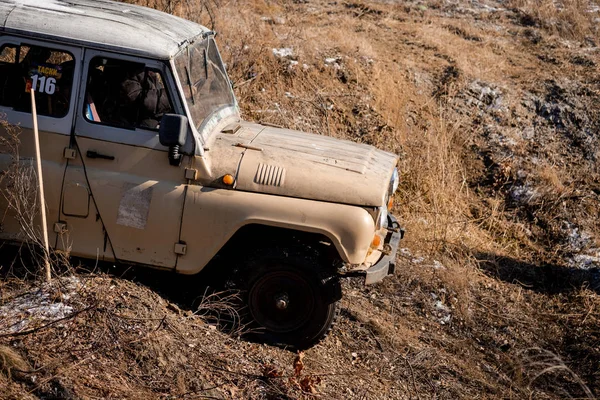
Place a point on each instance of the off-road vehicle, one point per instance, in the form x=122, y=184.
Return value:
x=146, y=161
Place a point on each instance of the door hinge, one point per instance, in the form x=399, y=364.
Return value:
x=191, y=174
x=60, y=227
x=180, y=248
x=69, y=153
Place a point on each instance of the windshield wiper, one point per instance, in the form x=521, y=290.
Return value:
x=206, y=63
x=189, y=81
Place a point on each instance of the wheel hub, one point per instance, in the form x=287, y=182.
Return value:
x=282, y=301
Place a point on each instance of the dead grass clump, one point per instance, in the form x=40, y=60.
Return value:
x=542, y=365
x=223, y=310
x=18, y=191
x=553, y=180
x=21, y=221
x=571, y=19
x=11, y=362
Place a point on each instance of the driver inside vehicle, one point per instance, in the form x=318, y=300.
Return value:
x=125, y=94
x=143, y=93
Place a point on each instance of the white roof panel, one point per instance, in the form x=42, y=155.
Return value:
x=100, y=24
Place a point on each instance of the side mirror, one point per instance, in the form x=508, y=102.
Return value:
x=172, y=133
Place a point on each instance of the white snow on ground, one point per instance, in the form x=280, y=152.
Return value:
x=586, y=261
x=580, y=244
x=283, y=52
x=577, y=239
x=41, y=305
x=523, y=194
x=443, y=313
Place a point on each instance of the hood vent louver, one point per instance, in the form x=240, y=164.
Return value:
x=270, y=175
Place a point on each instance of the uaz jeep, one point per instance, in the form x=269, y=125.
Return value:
x=146, y=161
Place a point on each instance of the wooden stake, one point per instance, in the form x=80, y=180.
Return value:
x=38, y=161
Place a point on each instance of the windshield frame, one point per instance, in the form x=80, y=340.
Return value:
x=203, y=116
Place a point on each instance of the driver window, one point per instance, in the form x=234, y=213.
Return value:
x=125, y=94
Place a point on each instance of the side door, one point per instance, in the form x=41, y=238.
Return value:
x=50, y=69
x=121, y=198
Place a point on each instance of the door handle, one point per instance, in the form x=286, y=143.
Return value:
x=94, y=154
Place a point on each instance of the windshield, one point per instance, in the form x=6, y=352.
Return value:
x=206, y=87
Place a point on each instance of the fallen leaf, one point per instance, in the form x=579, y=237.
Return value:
x=298, y=364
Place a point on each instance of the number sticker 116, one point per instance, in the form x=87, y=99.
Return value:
x=47, y=84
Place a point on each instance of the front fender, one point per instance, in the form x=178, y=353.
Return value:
x=212, y=216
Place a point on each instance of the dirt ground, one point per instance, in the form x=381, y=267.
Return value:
x=494, y=109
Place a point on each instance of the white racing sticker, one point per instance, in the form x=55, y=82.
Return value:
x=42, y=78
x=134, y=206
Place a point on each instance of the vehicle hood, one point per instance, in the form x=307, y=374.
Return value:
x=298, y=164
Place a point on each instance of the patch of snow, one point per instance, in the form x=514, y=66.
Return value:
x=405, y=252
x=367, y=59
x=521, y=174
x=275, y=20
x=441, y=306
x=443, y=312
x=528, y=133
x=438, y=265
x=576, y=239
x=502, y=140
x=39, y=305
x=585, y=261
x=523, y=194
x=486, y=96
x=283, y=52
x=492, y=9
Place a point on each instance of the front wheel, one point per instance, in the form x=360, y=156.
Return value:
x=293, y=305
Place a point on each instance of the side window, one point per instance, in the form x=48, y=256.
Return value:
x=125, y=94
x=47, y=71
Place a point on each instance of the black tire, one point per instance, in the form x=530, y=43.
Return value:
x=291, y=299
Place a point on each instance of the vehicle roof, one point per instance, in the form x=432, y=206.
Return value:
x=100, y=24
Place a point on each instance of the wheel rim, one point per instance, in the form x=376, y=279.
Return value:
x=281, y=301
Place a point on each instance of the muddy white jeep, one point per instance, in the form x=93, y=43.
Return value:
x=146, y=161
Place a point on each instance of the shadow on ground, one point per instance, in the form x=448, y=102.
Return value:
x=542, y=278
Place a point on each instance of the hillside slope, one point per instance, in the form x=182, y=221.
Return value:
x=494, y=108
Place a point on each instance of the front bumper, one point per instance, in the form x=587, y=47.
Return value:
x=387, y=264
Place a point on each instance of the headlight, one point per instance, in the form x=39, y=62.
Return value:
x=394, y=181
x=382, y=221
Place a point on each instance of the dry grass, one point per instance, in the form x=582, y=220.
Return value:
x=11, y=362
x=19, y=198
x=572, y=19
x=483, y=280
